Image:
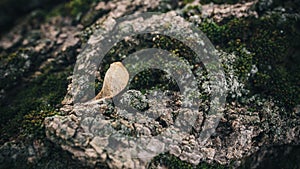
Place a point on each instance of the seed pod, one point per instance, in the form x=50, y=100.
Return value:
x=115, y=80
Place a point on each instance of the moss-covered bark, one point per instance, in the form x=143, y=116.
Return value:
x=271, y=42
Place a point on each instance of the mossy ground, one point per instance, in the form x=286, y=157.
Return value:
x=29, y=104
x=268, y=43
x=273, y=42
x=30, y=100
x=81, y=11
x=220, y=1
x=173, y=162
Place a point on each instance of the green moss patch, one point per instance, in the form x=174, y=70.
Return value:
x=25, y=109
x=271, y=39
x=173, y=162
x=220, y=1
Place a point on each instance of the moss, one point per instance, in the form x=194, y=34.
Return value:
x=285, y=157
x=243, y=64
x=32, y=122
x=16, y=65
x=173, y=162
x=187, y=1
x=213, y=31
x=78, y=6
x=81, y=10
x=191, y=10
x=30, y=104
x=271, y=40
x=59, y=10
x=153, y=79
x=220, y=1
x=271, y=43
x=149, y=78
